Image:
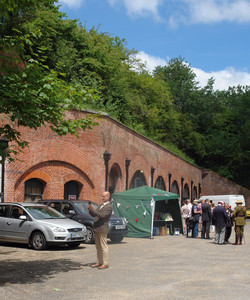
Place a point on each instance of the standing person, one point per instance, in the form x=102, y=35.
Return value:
x=184, y=213
x=189, y=223
x=189, y=204
x=239, y=217
x=212, y=209
x=229, y=224
x=102, y=215
x=206, y=219
x=220, y=218
x=200, y=218
x=196, y=215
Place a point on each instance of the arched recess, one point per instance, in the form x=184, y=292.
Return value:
x=33, y=190
x=186, y=192
x=49, y=172
x=160, y=184
x=115, y=176
x=194, y=193
x=175, y=188
x=137, y=180
x=72, y=190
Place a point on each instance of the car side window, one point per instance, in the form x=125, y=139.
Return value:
x=56, y=206
x=3, y=211
x=16, y=212
x=66, y=208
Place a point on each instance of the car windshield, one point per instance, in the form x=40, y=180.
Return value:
x=44, y=212
x=83, y=206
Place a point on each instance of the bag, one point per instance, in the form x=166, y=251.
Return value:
x=192, y=219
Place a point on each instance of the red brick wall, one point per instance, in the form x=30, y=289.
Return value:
x=56, y=160
x=214, y=184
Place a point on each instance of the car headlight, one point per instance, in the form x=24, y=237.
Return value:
x=57, y=229
x=125, y=220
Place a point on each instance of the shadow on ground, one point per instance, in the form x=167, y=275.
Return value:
x=26, y=272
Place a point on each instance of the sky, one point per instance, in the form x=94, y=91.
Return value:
x=212, y=36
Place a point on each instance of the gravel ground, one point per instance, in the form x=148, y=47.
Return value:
x=169, y=267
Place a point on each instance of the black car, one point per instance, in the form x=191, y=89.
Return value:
x=78, y=211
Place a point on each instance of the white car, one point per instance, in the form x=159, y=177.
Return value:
x=38, y=226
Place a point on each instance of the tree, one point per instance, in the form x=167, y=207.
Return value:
x=181, y=80
x=32, y=93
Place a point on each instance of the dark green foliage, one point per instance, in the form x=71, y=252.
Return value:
x=33, y=93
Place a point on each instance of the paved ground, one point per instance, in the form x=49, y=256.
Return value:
x=170, y=267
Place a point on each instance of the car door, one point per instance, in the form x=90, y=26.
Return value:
x=17, y=230
x=69, y=211
x=3, y=215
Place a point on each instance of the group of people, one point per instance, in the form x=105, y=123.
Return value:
x=209, y=217
x=203, y=212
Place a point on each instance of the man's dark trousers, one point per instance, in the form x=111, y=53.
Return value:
x=205, y=229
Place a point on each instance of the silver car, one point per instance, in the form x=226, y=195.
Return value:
x=38, y=226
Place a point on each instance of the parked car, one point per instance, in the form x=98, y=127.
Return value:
x=38, y=226
x=78, y=211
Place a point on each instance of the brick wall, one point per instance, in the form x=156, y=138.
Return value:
x=214, y=184
x=56, y=160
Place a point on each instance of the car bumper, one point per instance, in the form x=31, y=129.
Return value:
x=115, y=232
x=68, y=237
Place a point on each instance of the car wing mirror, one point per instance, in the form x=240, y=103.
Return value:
x=72, y=212
x=23, y=218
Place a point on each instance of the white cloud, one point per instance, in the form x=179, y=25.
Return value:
x=72, y=3
x=223, y=79
x=212, y=11
x=151, y=62
x=140, y=7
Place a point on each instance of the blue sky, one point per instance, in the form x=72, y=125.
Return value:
x=211, y=35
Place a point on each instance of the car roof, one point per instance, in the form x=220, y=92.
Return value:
x=61, y=200
x=24, y=204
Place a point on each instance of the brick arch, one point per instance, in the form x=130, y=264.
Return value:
x=33, y=174
x=138, y=163
x=55, y=174
x=186, y=193
x=71, y=177
x=175, y=187
x=160, y=183
x=115, y=176
x=51, y=150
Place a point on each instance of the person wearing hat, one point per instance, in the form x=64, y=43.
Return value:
x=220, y=219
x=239, y=217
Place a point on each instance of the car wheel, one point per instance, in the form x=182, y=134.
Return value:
x=38, y=241
x=90, y=238
x=74, y=245
x=116, y=239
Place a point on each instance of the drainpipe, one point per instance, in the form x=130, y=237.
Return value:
x=106, y=157
x=127, y=163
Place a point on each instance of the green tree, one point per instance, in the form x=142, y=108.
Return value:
x=185, y=92
x=181, y=80
x=32, y=94
x=228, y=141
